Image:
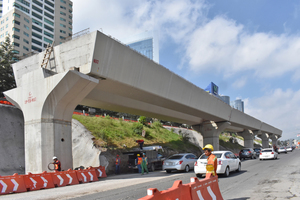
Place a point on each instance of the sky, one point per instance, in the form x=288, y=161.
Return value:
x=249, y=48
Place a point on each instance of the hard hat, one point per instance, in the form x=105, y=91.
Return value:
x=208, y=146
x=138, y=154
x=144, y=154
x=54, y=157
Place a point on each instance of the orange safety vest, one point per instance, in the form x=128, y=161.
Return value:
x=212, y=164
x=117, y=161
x=139, y=160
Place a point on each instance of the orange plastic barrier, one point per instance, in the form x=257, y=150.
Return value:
x=177, y=191
x=10, y=184
x=100, y=172
x=205, y=189
x=65, y=178
x=38, y=181
x=86, y=175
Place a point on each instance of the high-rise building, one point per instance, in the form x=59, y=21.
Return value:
x=226, y=99
x=239, y=104
x=33, y=24
x=145, y=43
x=1, y=2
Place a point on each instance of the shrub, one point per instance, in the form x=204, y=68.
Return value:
x=143, y=120
x=137, y=128
x=107, y=117
x=172, y=130
x=157, y=124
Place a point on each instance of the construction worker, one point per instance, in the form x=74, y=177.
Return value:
x=144, y=164
x=118, y=162
x=138, y=162
x=212, y=163
x=57, y=165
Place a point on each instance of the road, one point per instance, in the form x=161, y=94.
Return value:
x=269, y=179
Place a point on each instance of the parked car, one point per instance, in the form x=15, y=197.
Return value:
x=289, y=149
x=180, y=162
x=227, y=162
x=257, y=151
x=247, y=153
x=282, y=150
x=268, y=153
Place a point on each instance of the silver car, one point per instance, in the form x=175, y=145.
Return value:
x=180, y=162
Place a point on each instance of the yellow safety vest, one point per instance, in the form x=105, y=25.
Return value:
x=210, y=168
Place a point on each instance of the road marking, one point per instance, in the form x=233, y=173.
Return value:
x=84, y=177
x=213, y=196
x=45, y=181
x=16, y=184
x=4, y=186
x=70, y=181
x=91, y=175
x=100, y=172
x=61, y=179
x=34, y=182
x=200, y=195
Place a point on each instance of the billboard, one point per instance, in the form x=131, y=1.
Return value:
x=213, y=89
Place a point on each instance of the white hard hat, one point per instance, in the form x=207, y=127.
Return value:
x=54, y=157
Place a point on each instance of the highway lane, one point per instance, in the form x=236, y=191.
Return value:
x=270, y=179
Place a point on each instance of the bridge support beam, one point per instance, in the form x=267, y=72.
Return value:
x=48, y=101
x=248, y=138
x=274, y=139
x=211, y=131
x=265, y=139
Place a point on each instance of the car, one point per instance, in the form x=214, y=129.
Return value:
x=257, y=151
x=227, y=162
x=247, y=153
x=180, y=162
x=289, y=149
x=282, y=150
x=268, y=153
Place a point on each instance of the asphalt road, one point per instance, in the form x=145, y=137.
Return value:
x=269, y=179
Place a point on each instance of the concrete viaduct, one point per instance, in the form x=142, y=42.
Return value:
x=96, y=70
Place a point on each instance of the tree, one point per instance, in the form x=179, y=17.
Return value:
x=7, y=58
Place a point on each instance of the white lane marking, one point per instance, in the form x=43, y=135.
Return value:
x=84, y=177
x=71, y=179
x=4, y=186
x=16, y=184
x=45, y=181
x=91, y=175
x=200, y=195
x=100, y=172
x=213, y=196
x=61, y=179
x=34, y=182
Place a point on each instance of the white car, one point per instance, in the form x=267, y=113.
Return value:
x=289, y=149
x=268, y=153
x=282, y=150
x=227, y=162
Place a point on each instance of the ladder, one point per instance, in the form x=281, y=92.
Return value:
x=47, y=55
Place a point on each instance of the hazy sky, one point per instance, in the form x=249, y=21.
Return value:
x=249, y=48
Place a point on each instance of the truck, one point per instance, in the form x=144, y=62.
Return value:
x=153, y=154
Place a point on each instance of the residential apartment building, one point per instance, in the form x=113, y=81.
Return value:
x=33, y=24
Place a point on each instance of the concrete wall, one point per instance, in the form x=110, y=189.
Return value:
x=12, y=159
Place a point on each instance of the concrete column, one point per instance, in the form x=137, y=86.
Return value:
x=265, y=139
x=248, y=138
x=274, y=139
x=211, y=131
x=48, y=101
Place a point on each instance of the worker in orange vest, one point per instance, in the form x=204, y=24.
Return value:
x=57, y=165
x=118, y=162
x=212, y=162
x=138, y=162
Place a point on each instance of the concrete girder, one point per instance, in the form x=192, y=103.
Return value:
x=264, y=137
x=248, y=138
x=274, y=139
x=211, y=131
x=48, y=101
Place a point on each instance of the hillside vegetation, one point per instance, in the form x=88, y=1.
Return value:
x=111, y=134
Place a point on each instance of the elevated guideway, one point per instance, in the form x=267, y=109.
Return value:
x=120, y=79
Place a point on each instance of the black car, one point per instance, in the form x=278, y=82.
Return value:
x=257, y=151
x=247, y=153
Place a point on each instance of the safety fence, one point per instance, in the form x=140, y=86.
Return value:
x=29, y=182
x=205, y=189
